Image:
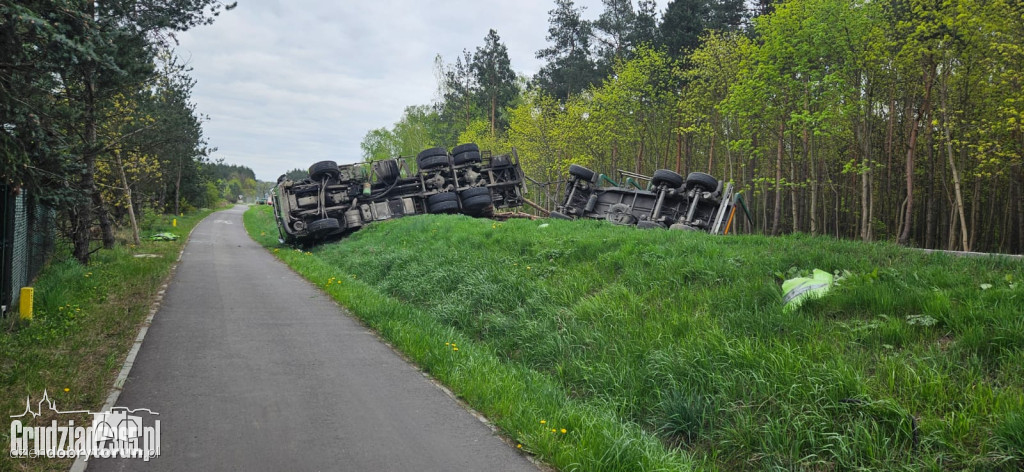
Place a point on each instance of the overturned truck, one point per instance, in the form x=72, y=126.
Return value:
x=334, y=200
x=699, y=202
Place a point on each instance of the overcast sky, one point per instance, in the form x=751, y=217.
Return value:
x=287, y=83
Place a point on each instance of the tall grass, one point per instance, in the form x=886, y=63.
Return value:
x=913, y=361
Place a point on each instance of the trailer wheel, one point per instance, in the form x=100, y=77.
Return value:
x=668, y=178
x=323, y=168
x=702, y=180
x=430, y=158
x=619, y=214
x=324, y=227
x=581, y=172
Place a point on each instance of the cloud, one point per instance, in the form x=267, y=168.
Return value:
x=289, y=83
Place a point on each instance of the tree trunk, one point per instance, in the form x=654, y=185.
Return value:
x=889, y=137
x=84, y=210
x=128, y=195
x=106, y=225
x=711, y=152
x=177, y=189
x=494, y=106
x=931, y=205
x=679, y=152
x=956, y=174
x=778, y=180
x=794, y=196
x=922, y=116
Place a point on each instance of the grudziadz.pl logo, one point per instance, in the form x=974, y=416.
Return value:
x=117, y=432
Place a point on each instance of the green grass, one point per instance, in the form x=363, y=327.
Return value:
x=85, y=321
x=664, y=350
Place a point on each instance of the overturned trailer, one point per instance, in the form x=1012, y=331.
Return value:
x=334, y=200
x=699, y=202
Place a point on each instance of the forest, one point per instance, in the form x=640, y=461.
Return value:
x=97, y=117
x=896, y=120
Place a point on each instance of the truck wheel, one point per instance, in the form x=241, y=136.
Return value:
x=443, y=207
x=619, y=214
x=442, y=202
x=647, y=224
x=324, y=227
x=476, y=203
x=466, y=157
x=465, y=147
x=323, y=168
x=474, y=192
x=702, y=180
x=430, y=158
x=581, y=172
x=387, y=171
x=668, y=178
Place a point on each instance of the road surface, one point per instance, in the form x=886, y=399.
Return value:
x=250, y=367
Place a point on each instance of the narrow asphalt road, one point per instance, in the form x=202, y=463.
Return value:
x=250, y=367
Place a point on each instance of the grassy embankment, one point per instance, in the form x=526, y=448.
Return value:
x=670, y=350
x=86, y=319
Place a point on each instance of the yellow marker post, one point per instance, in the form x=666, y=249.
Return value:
x=174, y=222
x=25, y=303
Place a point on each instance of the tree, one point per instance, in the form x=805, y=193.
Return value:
x=495, y=79
x=686, y=21
x=570, y=69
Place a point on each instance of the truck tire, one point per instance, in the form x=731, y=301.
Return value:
x=666, y=177
x=387, y=171
x=476, y=203
x=323, y=168
x=466, y=157
x=442, y=202
x=474, y=192
x=581, y=172
x=702, y=180
x=465, y=147
x=621, y=214
x=431, y=158
x=443, y=207
x=324, y=227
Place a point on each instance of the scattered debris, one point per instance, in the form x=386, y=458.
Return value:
x=798, y=290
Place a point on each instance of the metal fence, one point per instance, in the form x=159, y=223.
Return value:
x=28, y=235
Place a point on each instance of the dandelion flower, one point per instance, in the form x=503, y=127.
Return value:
x=519, y=446
x=67, y=389
x=543, y=421
x=563, y=431
x=455, y=349
x=552, y=430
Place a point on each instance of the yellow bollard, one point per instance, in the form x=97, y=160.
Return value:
x=25, y=304
x=174, y=222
